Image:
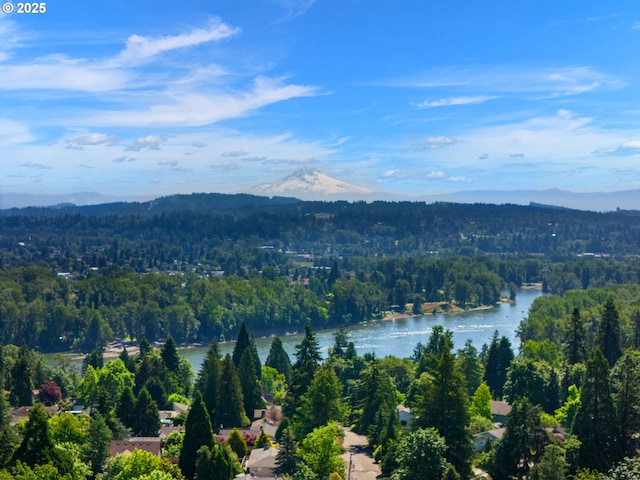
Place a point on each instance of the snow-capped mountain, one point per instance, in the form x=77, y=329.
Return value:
x=310, y=184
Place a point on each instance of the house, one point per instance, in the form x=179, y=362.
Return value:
x=262, y=461
x=500, y=410
x=126, y=447
x=404, y=415
x=480, y=440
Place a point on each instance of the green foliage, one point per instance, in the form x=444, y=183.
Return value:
x=96, y=448
x=66, y=427
x=608, y=336
x=625, y=387
x=251, y=391
x=230, y=410
x=523, y=442
x=274, y=385
x=552, y=466
x=421, y=455
x=208, y=381
x=471, y=366
x=262, y=440
x=173, y=445
x=481, y=402
x=197, y=433
x=237, y=443
x=321, y=449
x=627, y=469
x=321, y=404
x=286, y=458
x=596, y=423
x=525, y=379
x=498, y=360
x=443, y=405
x=145, y=418
x=139, y=464
x=37, y=447
x=279, y=359
x=375, y=401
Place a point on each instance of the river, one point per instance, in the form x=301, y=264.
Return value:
x=399, y=337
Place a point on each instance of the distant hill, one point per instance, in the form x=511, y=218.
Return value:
x=195, y=202
x=308, y=184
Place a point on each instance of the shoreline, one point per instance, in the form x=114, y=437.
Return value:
x=113, y=350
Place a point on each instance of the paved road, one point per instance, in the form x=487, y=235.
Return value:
x=362, y=465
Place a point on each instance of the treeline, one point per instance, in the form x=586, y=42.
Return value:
x=229, y=238
x=51, y=313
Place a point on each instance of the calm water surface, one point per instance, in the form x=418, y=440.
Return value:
x=399, y=337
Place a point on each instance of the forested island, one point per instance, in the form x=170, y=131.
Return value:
x=203, y=268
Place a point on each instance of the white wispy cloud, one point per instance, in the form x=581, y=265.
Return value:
x=12, y=132
x=92, y=139
x=454, y=101
x=140, y=48
x=198, y=108
x=545, y=81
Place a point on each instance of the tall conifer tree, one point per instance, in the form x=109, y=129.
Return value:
x=575, y=347
x=230, y=411
x=208, y=381
x=596, y=423
x=197, y=433
x=443, y=405
x=608, y=334
x=279, y=359
x=251, y=391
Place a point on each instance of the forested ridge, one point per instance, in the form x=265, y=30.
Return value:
x=197, y=266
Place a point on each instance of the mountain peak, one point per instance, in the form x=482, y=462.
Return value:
x=308, y=183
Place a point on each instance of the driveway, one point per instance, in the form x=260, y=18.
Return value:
x=362, y=465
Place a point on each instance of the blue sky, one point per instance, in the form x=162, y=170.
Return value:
x=417, y=97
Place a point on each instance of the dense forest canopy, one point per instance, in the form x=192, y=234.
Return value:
x=197, y=266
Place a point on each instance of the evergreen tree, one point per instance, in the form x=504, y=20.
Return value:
x=596, y=423
x=307, y=361
x=552, y=466
x=321, y=403
x=279, y=359
x=286, y=458
x=471, y=367
x=127, y=360
x=341, y=341
x=22, y=384
x=608, y=334
x=37, y=447
x=170, y=356
x=626, y=395
x=197, y=433
x=145, y=418
x=237, y=443
x=95, y=450
x=125, y=408
x=8, y=435
x=230, y=411
x=208, y=381
x=251, y=391
x=524, y=438
x=246, y=342
x=498, y=360
x=443, y=405
x=575, y=347
x=215, y=463
x=375, y=397
x=262, y=440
